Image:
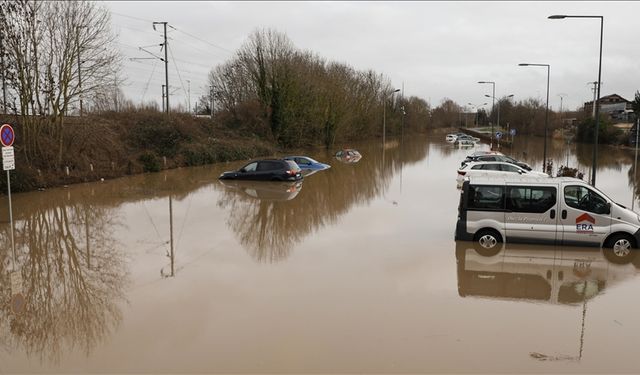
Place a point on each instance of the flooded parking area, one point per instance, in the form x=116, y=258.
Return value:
x=354, y=269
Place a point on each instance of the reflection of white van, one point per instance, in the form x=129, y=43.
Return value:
x=556, y=275
x=560, y=210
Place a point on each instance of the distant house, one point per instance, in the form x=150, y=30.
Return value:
x=617, y=108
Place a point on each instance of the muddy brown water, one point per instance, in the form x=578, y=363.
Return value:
x=353, y=270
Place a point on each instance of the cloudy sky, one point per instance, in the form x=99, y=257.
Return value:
x=436, y=49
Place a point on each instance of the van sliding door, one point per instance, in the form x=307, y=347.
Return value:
x=531, y=214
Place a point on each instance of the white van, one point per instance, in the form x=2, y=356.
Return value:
x=561, y=210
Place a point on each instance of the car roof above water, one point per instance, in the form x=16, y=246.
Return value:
x=499, y=180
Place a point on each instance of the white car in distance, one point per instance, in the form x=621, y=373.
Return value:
x=495, y=169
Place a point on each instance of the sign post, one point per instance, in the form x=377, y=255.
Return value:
x=7, y=137
x=498, y=136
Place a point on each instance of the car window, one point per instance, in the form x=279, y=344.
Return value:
x=486, y=197
x=530, y=199
x=509, y=168
x=301, y=161
x=491, y=167
x=251, y=167
x=585, y=199
x=268, y=166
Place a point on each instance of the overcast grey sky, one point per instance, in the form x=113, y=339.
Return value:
x=437, y=49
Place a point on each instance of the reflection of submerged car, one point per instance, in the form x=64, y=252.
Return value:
x=269, y=191
x=464, y=143
x=348, y=155
x=269, y=170
x=537, y=273
x=307, y=164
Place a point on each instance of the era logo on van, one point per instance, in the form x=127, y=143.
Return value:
x=584, y=223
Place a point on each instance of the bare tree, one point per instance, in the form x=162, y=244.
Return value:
x=58, y=53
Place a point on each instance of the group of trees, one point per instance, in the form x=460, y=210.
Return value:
x=297, y=98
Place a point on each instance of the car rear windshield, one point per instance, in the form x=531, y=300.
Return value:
x=292, y=164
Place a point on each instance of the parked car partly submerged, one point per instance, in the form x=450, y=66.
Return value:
x=307, y=164
x=496, y=157
x=266, y=170
x=348, y=155
x=494, y=169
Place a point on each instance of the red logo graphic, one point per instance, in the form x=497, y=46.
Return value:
x=585, y=223
x=585, y=217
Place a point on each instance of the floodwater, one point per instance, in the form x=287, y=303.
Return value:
x=353, y=270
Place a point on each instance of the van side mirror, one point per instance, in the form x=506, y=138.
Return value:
x=607, y=208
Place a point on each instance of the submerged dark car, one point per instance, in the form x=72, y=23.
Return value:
x=266, y=170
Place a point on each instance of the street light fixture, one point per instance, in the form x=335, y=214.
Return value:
x=384, y=115
x=597, y=114
x=493, y=106
x=546, y=116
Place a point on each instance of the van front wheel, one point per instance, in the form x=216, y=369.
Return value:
x=488, y=238
x=621, y=249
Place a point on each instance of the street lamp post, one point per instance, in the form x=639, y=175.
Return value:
x=493, y=95
x=597, y=114
x=546, y=116
x=384, y=115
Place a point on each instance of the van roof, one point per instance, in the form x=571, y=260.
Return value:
x=484, y=180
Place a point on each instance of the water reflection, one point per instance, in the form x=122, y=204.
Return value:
x=266, y=190
x=73, y=275
x=270, y=228
x=556, y=275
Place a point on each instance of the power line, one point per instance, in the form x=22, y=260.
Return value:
x=149, y=81
x=177, y=70
x=204, y=41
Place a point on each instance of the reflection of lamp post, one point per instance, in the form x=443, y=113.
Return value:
x=493, y=106
x=476, y=107
x=384, y=115
x=546, y=117
x=597, y=115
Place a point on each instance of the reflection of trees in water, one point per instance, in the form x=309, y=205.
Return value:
x=269, y=230
x=73, y=276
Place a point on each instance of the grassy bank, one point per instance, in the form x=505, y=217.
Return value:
x=112, y=145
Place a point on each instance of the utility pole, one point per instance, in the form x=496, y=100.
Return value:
x=163, y=102
x=212, y=92
x=166, y=62
x=79, y=70
x=189, y=95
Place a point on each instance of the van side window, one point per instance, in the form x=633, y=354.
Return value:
x=584, y=199
x=534, y=199
x=489, y=198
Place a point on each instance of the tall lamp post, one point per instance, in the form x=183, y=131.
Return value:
x=384, y=115
x=546, y=116
x=493, y=106
x=597, y=113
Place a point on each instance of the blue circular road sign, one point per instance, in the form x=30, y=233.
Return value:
x=7, y=136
